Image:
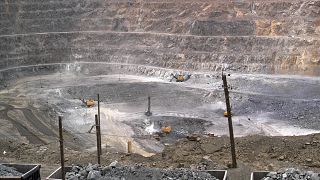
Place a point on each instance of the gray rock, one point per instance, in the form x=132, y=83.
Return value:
x=9, y=171
x=315, y=176
x=83, y=173
x=292, y=174
x=137, y=172
x=89, y=167
x=308, y=160
x=114, y=164
x=281, y=158
x=93, y=175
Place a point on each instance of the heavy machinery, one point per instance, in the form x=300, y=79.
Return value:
x=226, y=114
x=88, y=103
x=166, y=129
x=162, y=133
x=180, y=77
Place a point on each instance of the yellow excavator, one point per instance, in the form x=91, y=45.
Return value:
x=166, y=129
x=88, y=103
x=180, y=77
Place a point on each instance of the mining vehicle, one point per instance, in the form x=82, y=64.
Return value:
x=180, y=77
x=166, y=129
x=226, y=114
x=88, y=103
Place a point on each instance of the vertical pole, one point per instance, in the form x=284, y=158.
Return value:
x=99, y=123
x=99, y=130
x=61, y=149
x=99, y=108
x=233, y=149
x=98, y=140
x=149, y=104
x=149, y=113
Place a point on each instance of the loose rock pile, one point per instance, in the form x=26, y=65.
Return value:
x=292, y=174
x=137, y=172
x=8, y=171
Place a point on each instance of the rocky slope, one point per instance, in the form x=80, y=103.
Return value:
x=237, y=35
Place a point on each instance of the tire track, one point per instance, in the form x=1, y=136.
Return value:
x=23, y=131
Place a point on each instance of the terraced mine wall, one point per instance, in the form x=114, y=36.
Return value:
x=272, y=37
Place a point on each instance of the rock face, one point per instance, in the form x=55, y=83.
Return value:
x=236, y=35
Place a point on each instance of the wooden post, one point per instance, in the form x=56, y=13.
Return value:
x=98, y=138
x=233, y=149
x=61, y=149
x=129, y=147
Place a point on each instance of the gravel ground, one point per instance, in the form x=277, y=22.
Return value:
x=8, y=171
x=137, y=172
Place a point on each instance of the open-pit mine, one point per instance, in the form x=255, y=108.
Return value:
x=157, y=67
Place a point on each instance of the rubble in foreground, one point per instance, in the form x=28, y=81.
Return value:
x=137, y=172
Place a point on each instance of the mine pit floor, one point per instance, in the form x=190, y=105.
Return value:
x=31, y=105
x=262, y=105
